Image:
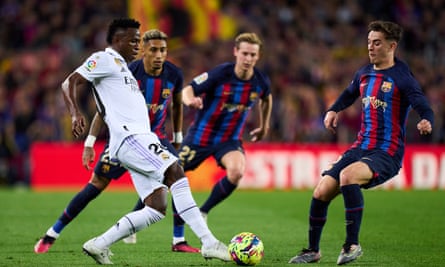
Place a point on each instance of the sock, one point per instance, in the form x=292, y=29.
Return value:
x=317, y=219
x=128, y=225
x=139, y=205
x=221, y=190
x=353, y=199
x=77, y=204
x=178, y=226
x=188, y=210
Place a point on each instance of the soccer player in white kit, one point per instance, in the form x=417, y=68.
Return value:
x=153, y=168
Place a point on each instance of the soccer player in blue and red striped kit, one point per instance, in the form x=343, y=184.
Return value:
x=388, y=90
x=228, y=92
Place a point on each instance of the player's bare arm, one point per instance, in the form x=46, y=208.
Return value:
x=88, y=153
x=265, y=111
x=330, y=121
x=69, y=89
x=177, y=111
x=189, y=99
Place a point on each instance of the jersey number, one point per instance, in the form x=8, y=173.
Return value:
x=186, y=154
x=156, y=148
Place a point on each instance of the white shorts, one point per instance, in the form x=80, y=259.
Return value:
x=146, y=160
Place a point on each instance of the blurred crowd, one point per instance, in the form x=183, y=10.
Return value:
x=312, y=49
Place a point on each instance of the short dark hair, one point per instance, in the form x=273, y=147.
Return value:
x=154, y=34
x=122, y=23
x=391, y=30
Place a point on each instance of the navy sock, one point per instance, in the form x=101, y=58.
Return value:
x=317, y=219
x=77, y=204
x=221, y=190
x=178, y=222
x=353, y=199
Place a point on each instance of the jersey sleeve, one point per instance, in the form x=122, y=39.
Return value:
x=179, y=82
x=96, y=66
x=207, y=80
x=348, y=96
x=418, y=100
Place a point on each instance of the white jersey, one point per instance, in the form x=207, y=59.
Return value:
x=118, y=97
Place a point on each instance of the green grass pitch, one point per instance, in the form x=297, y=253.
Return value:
x=400, y=228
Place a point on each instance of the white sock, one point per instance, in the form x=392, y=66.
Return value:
x=129, y=224
x=177, y=240
x=52, y=233
x=189, y=211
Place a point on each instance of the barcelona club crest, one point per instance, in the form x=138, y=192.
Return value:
x=253, y=96
x=386, y=87
x=166, y=93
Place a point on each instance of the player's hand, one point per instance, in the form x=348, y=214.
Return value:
x=196, y=102
x=78, y=125
x=330, y=121
x=176, y=145
x=257, y=134
x=88, y=156
x=424, y=127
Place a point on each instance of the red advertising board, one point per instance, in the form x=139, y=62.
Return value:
x=269, y=166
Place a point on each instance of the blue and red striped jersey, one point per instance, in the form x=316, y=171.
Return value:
x=387, y=96
x=158, y=92
x=227, y=101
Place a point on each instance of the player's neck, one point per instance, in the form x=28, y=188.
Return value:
x=151, y=71
x=385, y=64
x=244, y=74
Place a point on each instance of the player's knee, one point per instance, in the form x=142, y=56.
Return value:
x=234, y=175
x=157, y=200
x=173, y=173
x=327, y=189
x=347, y=177
x=99, y=182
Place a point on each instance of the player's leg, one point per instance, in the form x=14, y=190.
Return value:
x=96, y=185
x=154, y=211
x=132, y=239
x=231, y=156
x=104, y=171
x=149, y=167
x=179, y=243
x=326, y=190
x=188, y=210
x=373, y=168
x=190, y=157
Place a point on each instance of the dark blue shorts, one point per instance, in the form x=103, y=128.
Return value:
x=111, y=168
x=383, y=166
x=191, y=156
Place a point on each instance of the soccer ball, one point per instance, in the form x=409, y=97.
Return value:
x=246, y=249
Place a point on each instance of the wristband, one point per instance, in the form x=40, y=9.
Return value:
x=89, y=142
x=177, y=137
